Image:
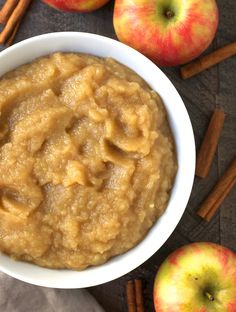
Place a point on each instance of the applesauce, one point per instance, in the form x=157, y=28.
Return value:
x=87, y=160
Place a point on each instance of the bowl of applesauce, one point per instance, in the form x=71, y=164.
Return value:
x=97, y=159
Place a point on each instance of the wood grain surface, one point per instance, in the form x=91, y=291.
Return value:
x=201, y=94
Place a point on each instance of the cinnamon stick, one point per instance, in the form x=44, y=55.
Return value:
x=219, y=193
x=208, y=61
x=139, y=295
x=6, y=10
x=130, y=295
x=17, y=14
x=208, y=147
x=12, y=37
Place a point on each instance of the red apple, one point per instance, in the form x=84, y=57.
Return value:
x=170, y=32
x=199, y=277
x=76, y=5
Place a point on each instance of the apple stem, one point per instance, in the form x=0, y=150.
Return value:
x=209, y=296
x=169, y=14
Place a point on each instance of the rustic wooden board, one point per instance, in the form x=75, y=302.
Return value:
x=200, y=94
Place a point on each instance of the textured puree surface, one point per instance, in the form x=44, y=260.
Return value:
x=87, y=160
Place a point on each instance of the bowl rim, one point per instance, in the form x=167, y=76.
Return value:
x=110, y=270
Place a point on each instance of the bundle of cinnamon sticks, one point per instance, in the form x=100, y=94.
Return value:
x=222, y=188
x=11, y=16
x=134, y=296
x=204, y=162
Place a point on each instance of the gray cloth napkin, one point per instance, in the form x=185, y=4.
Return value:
x=17, y=296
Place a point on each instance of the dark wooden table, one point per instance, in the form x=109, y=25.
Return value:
x=201, y=95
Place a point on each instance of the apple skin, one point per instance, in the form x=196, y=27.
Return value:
x=168, y=41
x=185, y=277
x=76, y=5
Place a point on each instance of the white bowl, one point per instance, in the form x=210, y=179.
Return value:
x=28, y=50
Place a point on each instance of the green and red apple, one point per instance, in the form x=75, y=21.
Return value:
x=200, y=277
x=170, y=32
x=76, y=5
